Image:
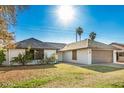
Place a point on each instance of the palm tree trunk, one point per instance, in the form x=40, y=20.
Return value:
x=76, y=36
x=80, y=37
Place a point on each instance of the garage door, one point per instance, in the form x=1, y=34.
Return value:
x=102, y=56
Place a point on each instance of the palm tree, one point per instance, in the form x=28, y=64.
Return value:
x=92, y=35
x=79, y=32
x=76, y=35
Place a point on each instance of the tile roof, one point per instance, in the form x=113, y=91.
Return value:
x=87, y=43
x=118, y=45
x=35, y=43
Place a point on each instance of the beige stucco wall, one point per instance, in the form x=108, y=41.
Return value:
x=83, y=56
x=121, y=59
x=15, y=52
x=49, y=52
x=59, y=56
x=67, y=56
x=10, y=53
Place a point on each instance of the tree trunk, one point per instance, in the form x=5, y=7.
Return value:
x=23, y=63
x=76, y=36
x=80, y=37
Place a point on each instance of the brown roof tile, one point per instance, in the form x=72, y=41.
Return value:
x=86, y=44
x=34, y=43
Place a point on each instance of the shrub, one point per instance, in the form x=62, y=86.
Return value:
x=48, y=60
x=2, y=57
x=52, y=58
x=45, y=60
x=22, y=58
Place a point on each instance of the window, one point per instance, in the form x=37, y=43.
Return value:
x=36, y=53
x=30, y=52
x=121, y=53
x=39, y=54
x=74, y=55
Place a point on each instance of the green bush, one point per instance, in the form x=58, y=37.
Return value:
x=52, y=58
x=2, y=57
x=48, y=60
x=22, y=58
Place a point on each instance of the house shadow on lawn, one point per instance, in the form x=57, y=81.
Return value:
x=102, y=69
x=26, y=67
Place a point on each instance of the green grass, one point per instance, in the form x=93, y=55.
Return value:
x=32, y=83
x=112, y=85
x=61, y=75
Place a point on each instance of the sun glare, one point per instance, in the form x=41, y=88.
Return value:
x=66, y=14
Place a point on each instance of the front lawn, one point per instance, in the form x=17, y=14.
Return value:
x=61, y=75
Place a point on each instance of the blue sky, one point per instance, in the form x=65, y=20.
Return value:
x=42, y=22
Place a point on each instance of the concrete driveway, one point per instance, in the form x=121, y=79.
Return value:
x=117, y=65
x=112, y=65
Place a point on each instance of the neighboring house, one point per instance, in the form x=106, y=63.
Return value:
x=118, y=45
x=87, y=52
x=119, y=53
x=37, y=48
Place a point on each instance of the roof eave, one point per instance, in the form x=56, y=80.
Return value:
x=73, y=49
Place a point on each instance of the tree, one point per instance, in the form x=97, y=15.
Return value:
x=8, y=17
x=92, y=35
x=79, y=32
x=76, y=36
x=9, y=12
x=6, y=37
x=2, y=57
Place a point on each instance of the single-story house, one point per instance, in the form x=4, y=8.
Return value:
x=119, y=53
x=88, y=52
x=38, y=49
x=83, y=52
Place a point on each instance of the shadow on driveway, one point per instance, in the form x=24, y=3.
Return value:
x=103, y=68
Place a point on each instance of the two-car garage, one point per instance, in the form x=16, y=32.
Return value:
x=89, y=52
x=89, y=56
x=102, y=56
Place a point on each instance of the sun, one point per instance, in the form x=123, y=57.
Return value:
x=66, y=14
